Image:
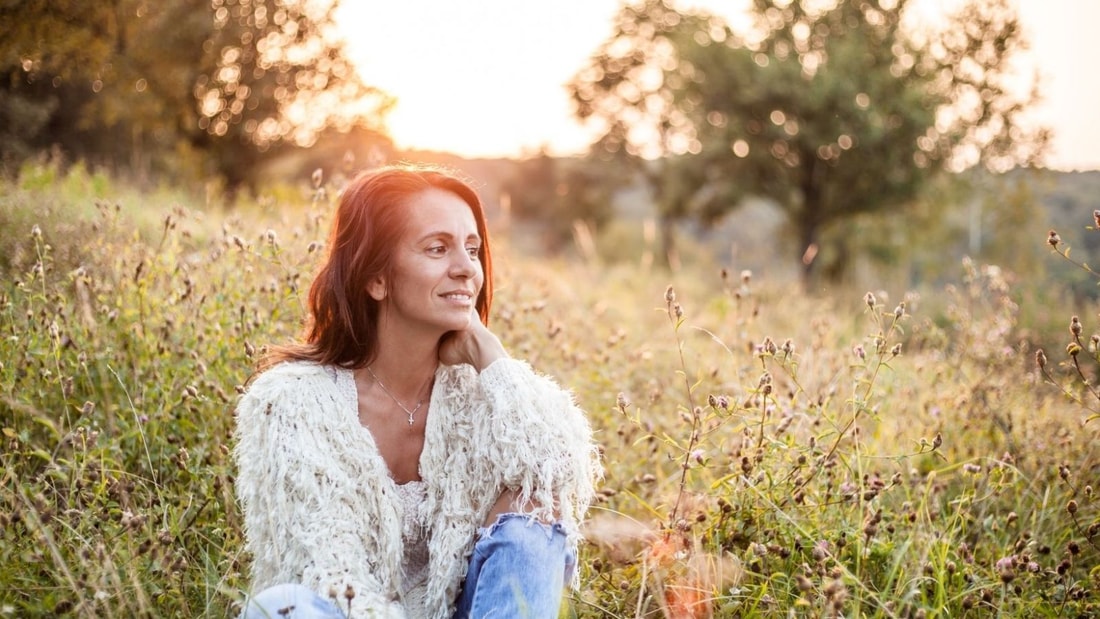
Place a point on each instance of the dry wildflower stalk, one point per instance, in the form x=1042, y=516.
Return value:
x=675, y=315
x=1075, y=346
x=860, y=406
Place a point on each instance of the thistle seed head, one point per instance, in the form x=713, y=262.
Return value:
x=1053, y=239
x=1006, y=569
x=769, y=346
x=1073, y=349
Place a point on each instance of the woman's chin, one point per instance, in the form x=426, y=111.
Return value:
x=458, y=323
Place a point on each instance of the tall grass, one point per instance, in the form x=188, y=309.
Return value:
x=768, y=453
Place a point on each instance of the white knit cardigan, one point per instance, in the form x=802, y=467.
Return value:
x=321, y=509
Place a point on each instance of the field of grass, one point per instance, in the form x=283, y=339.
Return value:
x=768, y=453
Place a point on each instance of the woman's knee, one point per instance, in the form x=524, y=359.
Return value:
x=524, y=536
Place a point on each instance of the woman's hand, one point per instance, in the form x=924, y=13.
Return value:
x=475, y=345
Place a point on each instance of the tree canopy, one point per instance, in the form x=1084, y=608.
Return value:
x=828, y=109
x=146, y=83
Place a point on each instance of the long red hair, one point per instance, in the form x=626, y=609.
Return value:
x=342, y=325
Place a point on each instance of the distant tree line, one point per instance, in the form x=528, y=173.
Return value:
x=179, y=87
x=837, y=112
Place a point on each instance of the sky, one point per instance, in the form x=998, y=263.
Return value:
x=486, y=78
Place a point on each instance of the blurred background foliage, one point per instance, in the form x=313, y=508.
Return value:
x=181, y=89
x=831, y=143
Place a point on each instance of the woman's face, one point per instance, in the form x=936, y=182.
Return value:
x=436, y=274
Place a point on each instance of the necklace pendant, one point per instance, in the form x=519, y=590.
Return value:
x=408, y=412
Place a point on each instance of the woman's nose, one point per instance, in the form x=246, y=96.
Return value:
x=463, y=265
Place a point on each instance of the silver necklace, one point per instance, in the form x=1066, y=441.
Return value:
x=408, y=412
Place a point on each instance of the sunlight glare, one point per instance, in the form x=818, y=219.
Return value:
x=481, y=79
x=487, y=78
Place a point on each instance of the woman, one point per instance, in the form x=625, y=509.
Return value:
x=397, y=462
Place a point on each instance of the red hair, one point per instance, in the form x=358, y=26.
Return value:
x=342, y=326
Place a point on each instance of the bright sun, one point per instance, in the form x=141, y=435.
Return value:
x=476, y=78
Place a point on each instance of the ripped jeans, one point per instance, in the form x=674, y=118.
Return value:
x=518, y=569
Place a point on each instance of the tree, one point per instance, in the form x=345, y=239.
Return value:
x=831, y=111
x=629, y=87
x=123, y=80
x=277, y=76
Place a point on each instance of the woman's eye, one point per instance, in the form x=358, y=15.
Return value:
x=473, y=251
x=437, y=249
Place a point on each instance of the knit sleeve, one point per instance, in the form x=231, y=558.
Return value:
x=540, y=440
x=308, y=517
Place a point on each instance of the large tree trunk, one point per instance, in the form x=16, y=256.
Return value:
x=667, y=241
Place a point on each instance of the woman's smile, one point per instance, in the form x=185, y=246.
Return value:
x=463, y=297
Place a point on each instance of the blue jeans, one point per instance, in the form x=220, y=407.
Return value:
x=518, y=570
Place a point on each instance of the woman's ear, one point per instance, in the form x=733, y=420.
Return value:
x=377, y=288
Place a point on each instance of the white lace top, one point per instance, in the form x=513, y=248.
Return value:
x=414, y=562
